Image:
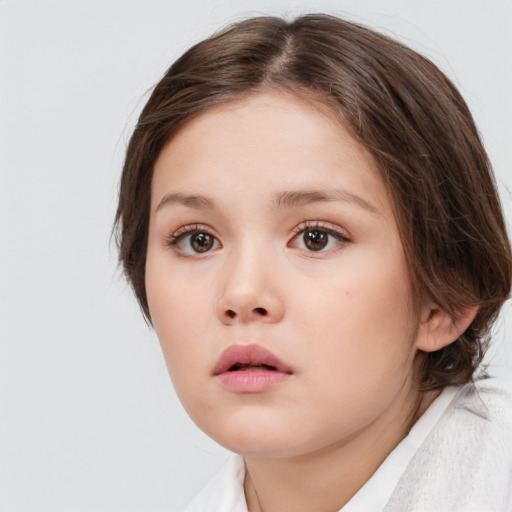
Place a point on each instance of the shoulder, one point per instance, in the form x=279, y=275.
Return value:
x=496, y=399
x=465, y=463
x=224, y=492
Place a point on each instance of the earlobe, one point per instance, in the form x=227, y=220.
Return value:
x=438, y=329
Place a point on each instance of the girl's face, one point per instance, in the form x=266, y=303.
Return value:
x=272, y=232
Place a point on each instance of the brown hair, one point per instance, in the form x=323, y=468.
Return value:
x=395, y=102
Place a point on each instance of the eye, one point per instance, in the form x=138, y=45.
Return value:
x=201, y=242
x=317, y=238
x=193, y=240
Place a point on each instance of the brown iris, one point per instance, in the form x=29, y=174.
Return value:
x=315, y=240
x=201, y=242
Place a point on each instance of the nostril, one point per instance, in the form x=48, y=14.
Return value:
x=232, y=314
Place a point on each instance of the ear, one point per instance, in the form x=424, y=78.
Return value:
x=438, y=329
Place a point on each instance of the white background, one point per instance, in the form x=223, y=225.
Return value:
x=88, y=417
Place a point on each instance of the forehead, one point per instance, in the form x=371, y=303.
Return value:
x=265, y=144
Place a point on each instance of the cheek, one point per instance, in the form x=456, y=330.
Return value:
x=176, y=300
x=380, y=290
x=179, y=319
x=360, y=333
x=362, y=316
x=179, y=315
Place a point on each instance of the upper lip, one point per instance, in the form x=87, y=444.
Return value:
x=249, y=354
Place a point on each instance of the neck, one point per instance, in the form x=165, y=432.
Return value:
x=325, y=480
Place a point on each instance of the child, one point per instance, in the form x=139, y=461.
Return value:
x=310, y=223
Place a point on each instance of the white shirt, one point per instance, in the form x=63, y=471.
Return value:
x=456, y=458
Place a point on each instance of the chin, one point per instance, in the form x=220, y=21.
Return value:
x=256, y=448
x=259, y=440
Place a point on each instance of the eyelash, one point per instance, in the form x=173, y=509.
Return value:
x=188, y=230
x=325, y=227
x=175, y=238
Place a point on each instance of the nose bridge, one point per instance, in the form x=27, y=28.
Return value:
x=249, y=288
x=246, y=272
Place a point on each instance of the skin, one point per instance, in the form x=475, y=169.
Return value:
x=342, y=317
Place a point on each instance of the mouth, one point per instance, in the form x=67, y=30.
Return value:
x=240, y=367
x=250, y=369
x=246, y=358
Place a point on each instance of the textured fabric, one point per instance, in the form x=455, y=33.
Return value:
x=456, y=458
x=377, y=491
x=225, y=491
x=466, y=463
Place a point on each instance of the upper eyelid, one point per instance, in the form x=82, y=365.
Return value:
x=321, y=225
x=193, y=228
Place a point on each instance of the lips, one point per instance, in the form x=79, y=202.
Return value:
x=250, y=369
x=238, y=358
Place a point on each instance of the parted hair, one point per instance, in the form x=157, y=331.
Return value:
x=397, y=104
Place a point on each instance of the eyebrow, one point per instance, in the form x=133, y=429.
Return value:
x=299, y=198
x=282, y=200
x=192, y=201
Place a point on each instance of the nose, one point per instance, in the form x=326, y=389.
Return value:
x=250, y=292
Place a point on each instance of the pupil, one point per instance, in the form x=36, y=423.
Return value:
x=315, y=240
x=201, y=242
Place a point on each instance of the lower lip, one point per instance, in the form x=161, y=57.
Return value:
x=251, y=381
